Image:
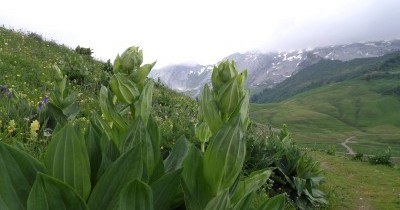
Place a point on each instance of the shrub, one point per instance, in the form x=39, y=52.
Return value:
x=296, y=173
x=382, y=159
x=359, y=157
x=107, y=67
x=331, y=150
x=84, y=51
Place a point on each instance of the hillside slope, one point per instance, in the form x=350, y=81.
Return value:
x=26, y=67
x=327, y=72
x=367, y=110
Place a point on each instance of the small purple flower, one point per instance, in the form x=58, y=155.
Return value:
x=45, y=100
x=40, y=105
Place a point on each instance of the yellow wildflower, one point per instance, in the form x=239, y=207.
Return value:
x=11, y=126
x=34, y=128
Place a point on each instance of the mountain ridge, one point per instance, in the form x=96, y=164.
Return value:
x=266, y=70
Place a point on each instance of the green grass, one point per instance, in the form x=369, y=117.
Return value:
x=353, y=184
x=328, y=115
x=26, y=67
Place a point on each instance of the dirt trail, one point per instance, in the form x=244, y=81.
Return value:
x=344, y=144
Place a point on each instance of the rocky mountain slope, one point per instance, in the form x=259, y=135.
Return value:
x=268, y=69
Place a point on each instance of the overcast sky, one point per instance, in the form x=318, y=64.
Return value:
x=203, y=31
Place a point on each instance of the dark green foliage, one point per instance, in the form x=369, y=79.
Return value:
x=295, y=173
x=359, y=157
x=84, y=51
x=107, y=67
x=382, y=159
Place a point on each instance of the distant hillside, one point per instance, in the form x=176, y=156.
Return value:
x=328, y=72
x=266, y=70
x=333, y=101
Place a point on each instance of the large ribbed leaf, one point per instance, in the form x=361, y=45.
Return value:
x=222, y=201
x=209, y=110
x=244, y=202
x=125, y=169
x=17, y=174
x=124, y=88
x=177, y=155
x=229, y=96
x=250, y=184
x=164, y=189
x=140, y=75
x=49, y=193
x=277, y=202
x=136, y=195
x=109, y=153
x=224, y=157
x=101, y=150
x=195, y=188
x=143, y=105
x=137, y=136
x=155, y=137
x=67, y=159
x=109, y=111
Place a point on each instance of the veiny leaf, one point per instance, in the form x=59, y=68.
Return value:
x=164, y=189
x=140, y=75
x=124, y=88
x=17, y=174
x=144, y=103
x=244, y=202
x=49, y=193
x=277, y=202
x=197, y=193
x=136, y=195
x=222, y=201
x=224, y=157
x=109, y=111
x=229, y=97
x=137, y=136
x=177, y=155
x=210, y=111
x=126, y=168
x=67, y=159
x=250, y=184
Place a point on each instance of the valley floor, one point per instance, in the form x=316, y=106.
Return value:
x=351, y=184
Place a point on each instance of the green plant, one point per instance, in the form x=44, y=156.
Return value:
x=382, y=159
x=115, y=162
x=359, y=156
x=331, y=150
x=84, y=51
x=296, y=173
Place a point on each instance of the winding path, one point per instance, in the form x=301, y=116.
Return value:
x=344, y=144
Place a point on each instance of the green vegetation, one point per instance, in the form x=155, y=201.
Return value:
x=327, y=72
x=85, y=134
x=351, y=184
x=330, y=114
x=111, y=155
x=295, y=172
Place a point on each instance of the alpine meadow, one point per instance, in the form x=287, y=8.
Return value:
x=80, y=133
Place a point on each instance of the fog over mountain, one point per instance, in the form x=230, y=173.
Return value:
x=268, y=69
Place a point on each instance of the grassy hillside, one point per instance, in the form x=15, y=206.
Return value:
x=328, y=72
x=358, y=185
x=331, y=101
x=26, y=67
x=330, y=114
